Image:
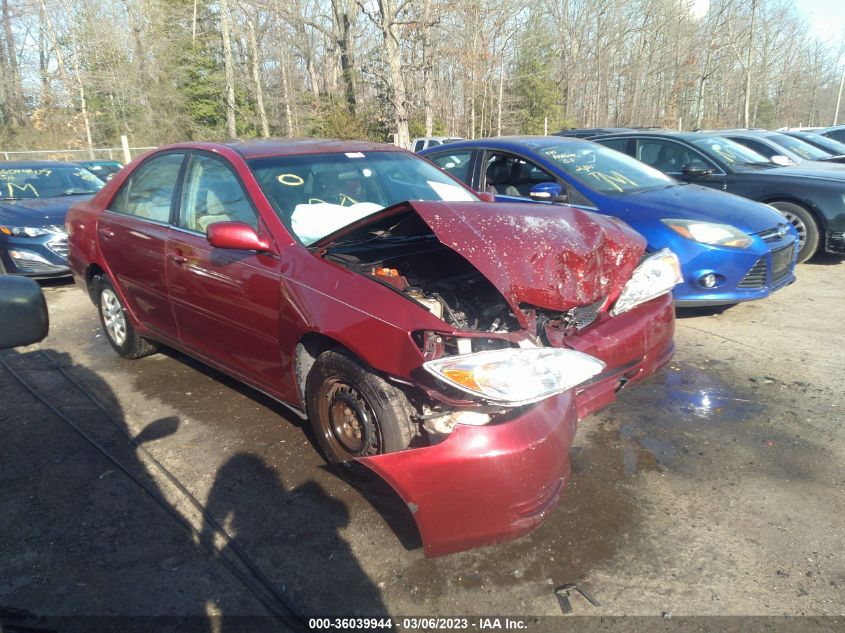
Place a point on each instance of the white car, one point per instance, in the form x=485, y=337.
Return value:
x=424, y=142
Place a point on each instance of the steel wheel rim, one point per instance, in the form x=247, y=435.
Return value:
x=114, y=319
x=799, y=225
x=347, y=421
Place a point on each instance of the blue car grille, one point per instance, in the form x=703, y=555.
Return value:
x=781, y=263
x=781, y=267
x=756, y=277
x=775, y=234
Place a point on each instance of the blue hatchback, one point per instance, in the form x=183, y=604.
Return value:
x=731, y=249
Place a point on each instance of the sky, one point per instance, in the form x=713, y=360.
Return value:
x=826, y=17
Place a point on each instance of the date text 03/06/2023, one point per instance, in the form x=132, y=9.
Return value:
x=419, y=623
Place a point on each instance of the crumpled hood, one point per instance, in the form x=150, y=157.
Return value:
x=694, y=202
x=548, y=256
x=38, y=212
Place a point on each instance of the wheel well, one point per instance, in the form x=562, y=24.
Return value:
x=801, y=203
x=308, y=349
x=91, y=273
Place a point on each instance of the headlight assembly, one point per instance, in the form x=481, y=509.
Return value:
x=656, y=275
x=514, y=377
x=710, y=233
x=23, y=231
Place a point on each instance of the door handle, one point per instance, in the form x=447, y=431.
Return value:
x=177, y=259
x=106, y=233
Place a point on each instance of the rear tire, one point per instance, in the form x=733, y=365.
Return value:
x=117, y=326
x=804, y=222
x=354, y=412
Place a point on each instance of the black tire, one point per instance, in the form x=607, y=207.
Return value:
x=116, y=324
x=354, y=412
x=804, y=222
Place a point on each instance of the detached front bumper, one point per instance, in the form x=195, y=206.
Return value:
x=485, y=484
x=834, y=242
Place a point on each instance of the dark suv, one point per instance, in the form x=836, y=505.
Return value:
x=812, y=199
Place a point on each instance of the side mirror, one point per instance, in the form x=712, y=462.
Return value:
x=781, y=160
x=23, y=312
x=695, y=170
x=486, y=196
x=547, y=192
x=238, y=236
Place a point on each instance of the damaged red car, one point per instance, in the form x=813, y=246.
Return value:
x=448, y=344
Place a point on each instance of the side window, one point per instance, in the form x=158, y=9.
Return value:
x=510, y=175
x=211, y=193
x=619, y=144
x=757, y=146
x=149, y=191
x=419, y=145
x=837, y=135
x=455, y=163
x=667, y=156
x=577, y=198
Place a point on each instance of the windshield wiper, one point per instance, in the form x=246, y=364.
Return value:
x=764, y=163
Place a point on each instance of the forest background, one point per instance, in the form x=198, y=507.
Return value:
x=81, y=73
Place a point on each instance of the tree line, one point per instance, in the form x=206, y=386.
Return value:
x=79, y=73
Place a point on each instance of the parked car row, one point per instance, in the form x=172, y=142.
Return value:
x=810, y=193
x=445, y=324
x=730, y=249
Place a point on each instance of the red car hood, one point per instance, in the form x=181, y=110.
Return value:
x=547, y=256
x=543, y=255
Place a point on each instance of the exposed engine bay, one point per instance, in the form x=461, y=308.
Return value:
x=416, y=264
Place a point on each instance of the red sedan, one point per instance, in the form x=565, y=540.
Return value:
x=448, y=344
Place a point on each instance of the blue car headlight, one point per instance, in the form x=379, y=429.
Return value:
x=23, y=231
x=709, y=233
x=656, y=275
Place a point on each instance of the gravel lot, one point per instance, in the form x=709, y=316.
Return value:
x=716, y=488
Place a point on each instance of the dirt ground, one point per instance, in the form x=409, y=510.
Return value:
x=715, y=488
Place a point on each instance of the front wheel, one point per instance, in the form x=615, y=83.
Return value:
x=119, y=331
x=805, y=225
x=354, y=412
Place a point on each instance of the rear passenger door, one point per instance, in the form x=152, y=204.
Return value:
x=226, y=302
x=132, y=234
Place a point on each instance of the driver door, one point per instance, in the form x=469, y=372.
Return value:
x=511, y=178
x=226, y=302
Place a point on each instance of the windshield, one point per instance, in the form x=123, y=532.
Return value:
x=18, y=183
x=801, y=148
x=603, y=169
x=317, y=194
x=729, y=151
x=830, y=145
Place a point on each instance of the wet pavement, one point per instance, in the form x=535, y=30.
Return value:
x=716, y=487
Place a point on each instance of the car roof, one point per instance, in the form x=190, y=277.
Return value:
x=261, y=148
x=688, y=136
x=507, y=141
x=831, y=128
x=34, y=164
x=745, y=132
